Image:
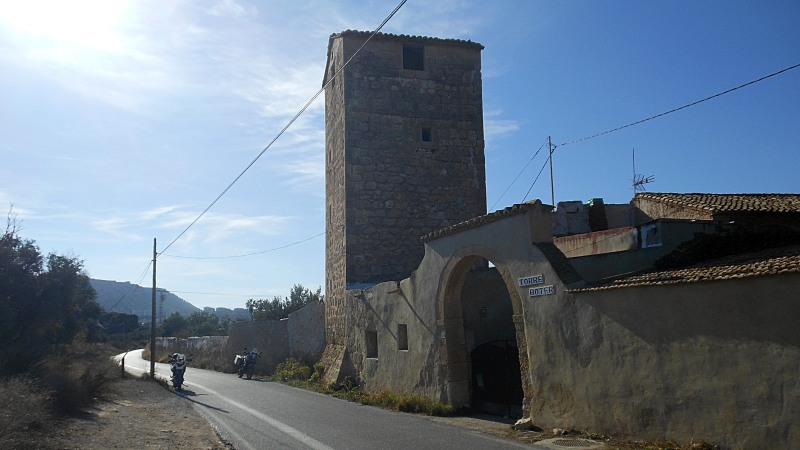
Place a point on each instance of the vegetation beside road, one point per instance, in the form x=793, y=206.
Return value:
x=53, y=361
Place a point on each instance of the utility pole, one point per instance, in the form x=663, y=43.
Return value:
x=552, y=189
x=153, y=319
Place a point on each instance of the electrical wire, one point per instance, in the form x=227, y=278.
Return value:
x=518, y=175
x=286, y=127
x=679, y=108
x=660, y=115
x=133, y=288
x=215, y=293
x=247, y=254
x=534, y=181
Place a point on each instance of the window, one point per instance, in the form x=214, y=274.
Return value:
x=402, y=336
x=372, y=344
x=413, y=57
x=426, y=134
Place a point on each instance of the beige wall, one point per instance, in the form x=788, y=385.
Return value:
x=715, y=360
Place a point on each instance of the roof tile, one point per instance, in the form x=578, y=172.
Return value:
x=726, y=203
x=772, y=261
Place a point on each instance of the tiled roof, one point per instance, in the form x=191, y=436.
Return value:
x=408, y=38
x=513, y=210
x=726, y=203
x=772, y=261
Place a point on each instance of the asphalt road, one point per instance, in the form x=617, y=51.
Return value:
x=254, y=414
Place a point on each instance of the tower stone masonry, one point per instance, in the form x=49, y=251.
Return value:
x=404, y=154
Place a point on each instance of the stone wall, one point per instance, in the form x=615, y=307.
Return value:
x=302, y=336
x=397, y=185
x=335, y=275
x=270, y=337
x=306, y=333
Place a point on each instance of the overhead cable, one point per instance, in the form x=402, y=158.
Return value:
x=518, y=175
x=680, y=108
x=247, y=254
x=283, y=130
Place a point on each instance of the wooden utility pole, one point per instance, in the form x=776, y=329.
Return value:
x=153, y=319
x=552, y=189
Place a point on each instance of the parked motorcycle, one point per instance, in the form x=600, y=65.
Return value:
x=177, y=362
x=246, y=363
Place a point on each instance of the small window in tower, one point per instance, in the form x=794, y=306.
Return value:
x=413, y=57
x=402, y=336
x=426, y=134
x=372, y=344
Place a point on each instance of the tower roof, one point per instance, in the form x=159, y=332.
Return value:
x=420, y=40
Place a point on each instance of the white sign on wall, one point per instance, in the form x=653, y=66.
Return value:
x=531, y=280
x=542, y=290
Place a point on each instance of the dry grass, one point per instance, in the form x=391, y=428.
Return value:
x=24, y=408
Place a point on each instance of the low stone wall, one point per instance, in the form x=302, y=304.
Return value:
x=208, y=352
x=301, y=336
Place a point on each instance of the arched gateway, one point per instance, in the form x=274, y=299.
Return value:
x=419, y=334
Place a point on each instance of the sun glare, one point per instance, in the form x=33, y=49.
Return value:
x=83, y=23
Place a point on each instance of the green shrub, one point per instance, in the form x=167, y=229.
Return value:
x=292, y=369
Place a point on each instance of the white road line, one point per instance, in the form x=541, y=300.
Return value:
x=293, y=432
x=288, y=430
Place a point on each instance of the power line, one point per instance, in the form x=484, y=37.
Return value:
x=247, y=254
x=214, y=293
x=657, y=116
x=283, y=130
x=535, y=180
x=133, y=288
x=518, y=175
x=680, y=108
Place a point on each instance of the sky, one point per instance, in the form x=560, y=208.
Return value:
x=122, y=121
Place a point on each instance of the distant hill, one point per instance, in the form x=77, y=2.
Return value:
x=115, y=296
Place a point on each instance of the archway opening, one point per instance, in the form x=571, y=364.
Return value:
x=483, y=352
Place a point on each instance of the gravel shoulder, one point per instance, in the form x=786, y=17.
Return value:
x=137, y=414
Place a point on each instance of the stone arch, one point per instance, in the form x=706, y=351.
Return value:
x=451, y=324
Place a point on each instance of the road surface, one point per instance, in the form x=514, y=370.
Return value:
x=253, y=414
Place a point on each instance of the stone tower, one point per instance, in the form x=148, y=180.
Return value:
x=404, y=155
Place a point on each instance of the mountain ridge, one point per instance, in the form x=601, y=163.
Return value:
x=130, y=298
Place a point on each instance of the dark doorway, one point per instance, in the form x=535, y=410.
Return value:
x=496, y=381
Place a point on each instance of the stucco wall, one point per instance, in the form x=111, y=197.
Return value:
x=713, y=360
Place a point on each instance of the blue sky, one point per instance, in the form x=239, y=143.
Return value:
x=121, y=121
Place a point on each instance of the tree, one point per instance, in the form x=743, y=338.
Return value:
x=44, y=302
x=173, y=325
x=278, y=308
x=198, y=323
x=118, y=323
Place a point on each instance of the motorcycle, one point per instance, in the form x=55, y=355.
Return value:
x=177, y=362
x=246, y=363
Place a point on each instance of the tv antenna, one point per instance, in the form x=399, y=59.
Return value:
x=640, y=180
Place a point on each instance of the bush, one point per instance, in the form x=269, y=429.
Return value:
x=292, y=369
x=77, y=376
